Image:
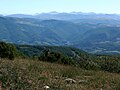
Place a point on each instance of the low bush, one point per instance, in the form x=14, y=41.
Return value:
x=51, y=56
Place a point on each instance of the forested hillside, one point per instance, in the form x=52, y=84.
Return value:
x=99, y=34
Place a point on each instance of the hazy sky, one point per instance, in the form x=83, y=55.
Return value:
x=38, y=6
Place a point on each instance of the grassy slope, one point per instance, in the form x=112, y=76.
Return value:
x=22, y=74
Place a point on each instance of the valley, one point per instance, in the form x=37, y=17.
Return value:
x=99, y=34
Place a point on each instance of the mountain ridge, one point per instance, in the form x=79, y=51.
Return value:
x=92, y=35
x=67, y=16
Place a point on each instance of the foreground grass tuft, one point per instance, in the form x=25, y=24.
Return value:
x=22, y=74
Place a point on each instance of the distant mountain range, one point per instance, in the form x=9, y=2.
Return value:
x=95, y=33
x=67, y=16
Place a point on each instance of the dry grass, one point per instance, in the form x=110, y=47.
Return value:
x=22, y=74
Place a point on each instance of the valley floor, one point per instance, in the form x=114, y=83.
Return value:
x=23, y=74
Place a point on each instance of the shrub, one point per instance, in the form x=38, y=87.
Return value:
x=51, y=56
x=111, y=65
x=89, y=65
x=7, y=51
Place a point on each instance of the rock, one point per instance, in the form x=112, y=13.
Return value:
x=30, y=81
x=57, y=77
x=46, y=87
x=83, y=81
x=88, y=76
x=70, y=81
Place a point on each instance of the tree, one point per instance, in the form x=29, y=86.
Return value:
x=57, y=57
x=7, y=51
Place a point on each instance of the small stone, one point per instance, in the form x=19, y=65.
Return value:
x=30, y=81
x=56, y=77
x=88, y=76
x=46, y=87
x=70, y=81
x=82, y=81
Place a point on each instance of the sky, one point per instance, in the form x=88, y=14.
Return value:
x=40, y=6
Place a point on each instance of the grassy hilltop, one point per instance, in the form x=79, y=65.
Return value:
x=23, y=74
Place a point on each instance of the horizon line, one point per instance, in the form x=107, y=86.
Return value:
x=56, y=12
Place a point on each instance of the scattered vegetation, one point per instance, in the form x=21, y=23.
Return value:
x=55, y=57
x=23, y=74
x=72, y=56
x=56, y=68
